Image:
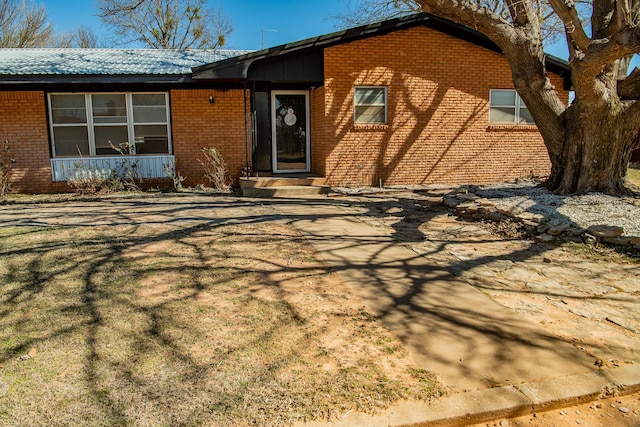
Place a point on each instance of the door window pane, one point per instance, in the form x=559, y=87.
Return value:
x=291, y=132
x=109, y=108
x=71, y=141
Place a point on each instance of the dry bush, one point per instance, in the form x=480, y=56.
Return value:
x=85, y=180
x=6, y=165
x=215, y=169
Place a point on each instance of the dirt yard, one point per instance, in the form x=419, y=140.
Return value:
x=182, y=310
x=148, y=300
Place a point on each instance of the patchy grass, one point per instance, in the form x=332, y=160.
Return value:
x=633, y=174
x=235, y=324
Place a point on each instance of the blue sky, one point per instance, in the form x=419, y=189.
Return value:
x=292, y=20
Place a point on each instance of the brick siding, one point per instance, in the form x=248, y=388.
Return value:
x=195, y=123
x=23, y=123
x=438, y=114
x=198, y=124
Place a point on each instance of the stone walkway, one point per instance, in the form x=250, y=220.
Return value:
x=585, y=298
x=450, y=327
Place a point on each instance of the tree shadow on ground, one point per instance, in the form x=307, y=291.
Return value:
x=416, y=294
x=162, y=311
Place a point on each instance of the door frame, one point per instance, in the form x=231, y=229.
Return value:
x=274, y=141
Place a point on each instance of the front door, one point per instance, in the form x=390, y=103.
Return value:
x=290, y=131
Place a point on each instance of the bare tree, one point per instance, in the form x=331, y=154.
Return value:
x=166, y=24
x=83, y=37
x=23, y=24
x=360, y=12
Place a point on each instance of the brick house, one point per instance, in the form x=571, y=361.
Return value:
x=414, y=100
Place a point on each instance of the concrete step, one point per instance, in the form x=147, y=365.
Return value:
x=285, y=191
x=281, y=181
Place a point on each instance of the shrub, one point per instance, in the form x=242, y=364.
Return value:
x=215, y=169
x=6, y=165
x=174, y=177
x=85, y=180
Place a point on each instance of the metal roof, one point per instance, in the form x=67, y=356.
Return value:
x=61, y=62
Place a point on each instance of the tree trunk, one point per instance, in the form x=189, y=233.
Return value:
x=596, y=151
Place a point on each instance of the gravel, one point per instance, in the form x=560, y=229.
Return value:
x=582, y=211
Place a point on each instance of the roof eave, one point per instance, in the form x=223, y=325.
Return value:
x=53, y=79
x=238, y=67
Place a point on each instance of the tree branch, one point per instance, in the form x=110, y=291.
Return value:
x=522, y=12
x=467, y=12
x=567, y=12
x=629, y=88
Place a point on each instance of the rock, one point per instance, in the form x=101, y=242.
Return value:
x=466, y=196
x=515, y=211
x=537, y=218
x=543, y=228
x=607, y=231
x=577, y=232
x=623, y=409
x=617, y=241
x=467, y=205
x=635, y=241
x=546, y=238
x=393, y=211
x=450, y=201
x=589, y=239
x=494, y=216
x=556, y=230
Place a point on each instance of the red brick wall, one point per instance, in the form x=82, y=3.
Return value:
x=318, y=131
x=196, y=124
x=438, y=114
x=23, y=123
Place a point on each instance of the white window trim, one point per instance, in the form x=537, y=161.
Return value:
x=516, y=107
x=90, y=125
x=385, y=105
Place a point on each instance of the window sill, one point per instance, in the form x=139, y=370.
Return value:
x=512, y=128
x=369, y=127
